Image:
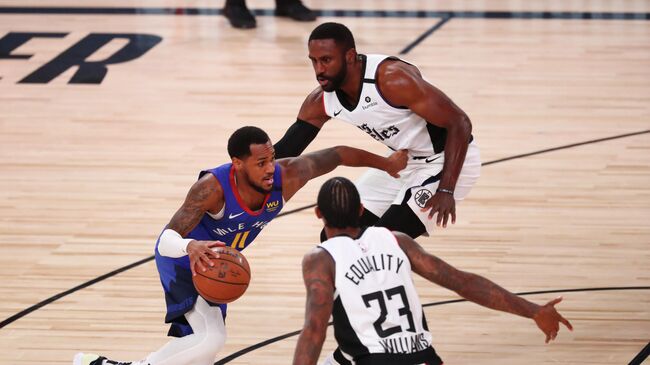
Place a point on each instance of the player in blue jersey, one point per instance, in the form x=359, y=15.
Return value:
x=229, y=205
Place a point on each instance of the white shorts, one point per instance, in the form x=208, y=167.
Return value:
x=416, y=184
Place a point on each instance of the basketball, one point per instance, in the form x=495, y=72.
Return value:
x=227, y=280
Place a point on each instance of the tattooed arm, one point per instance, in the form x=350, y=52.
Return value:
x=205, y=195
x=318, y=273
x=298, y=170
x=479, y=289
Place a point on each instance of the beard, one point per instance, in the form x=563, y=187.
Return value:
x=335, y=81
x=257, y=187
x=261, y=190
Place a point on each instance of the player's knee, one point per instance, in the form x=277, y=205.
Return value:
x=215, y=334
x=210, y=331
x=211, y=342
x=216, y=337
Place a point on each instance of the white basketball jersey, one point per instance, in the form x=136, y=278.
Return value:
x=395, y=126
x=377, y=313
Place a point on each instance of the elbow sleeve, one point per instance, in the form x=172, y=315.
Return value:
x=296, y=139
x=171, y=244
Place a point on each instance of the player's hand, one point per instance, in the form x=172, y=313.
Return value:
x=548, y=319
x=200, y=253
x=397, y=162
x=442, y=204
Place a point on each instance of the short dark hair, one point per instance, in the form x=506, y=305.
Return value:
x=239, y=143
x=339, y=203
x=336, y=31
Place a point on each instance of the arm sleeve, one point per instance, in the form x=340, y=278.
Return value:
x=296, y=139
x=171, y=244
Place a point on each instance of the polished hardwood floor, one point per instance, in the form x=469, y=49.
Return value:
x=90, y=173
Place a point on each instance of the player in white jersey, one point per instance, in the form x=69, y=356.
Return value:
x=363, y=279
x=390, y=100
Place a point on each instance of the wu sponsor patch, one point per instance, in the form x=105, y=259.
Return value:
x=272, y=206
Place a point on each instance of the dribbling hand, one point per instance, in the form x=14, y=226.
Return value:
x=200, y=253
x=397, y=162
x=548, y=319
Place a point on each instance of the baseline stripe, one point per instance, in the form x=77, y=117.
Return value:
x=343, y=13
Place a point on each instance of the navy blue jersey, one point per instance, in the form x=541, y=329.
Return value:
x=237, y=228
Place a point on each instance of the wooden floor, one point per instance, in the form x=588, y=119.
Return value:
x=89, y=174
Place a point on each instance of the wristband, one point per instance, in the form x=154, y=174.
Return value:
x=445, y=191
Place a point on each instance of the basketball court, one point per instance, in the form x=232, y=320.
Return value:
x=93, y=164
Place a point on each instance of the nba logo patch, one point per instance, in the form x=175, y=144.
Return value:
x=363, y=246
x=421, y=197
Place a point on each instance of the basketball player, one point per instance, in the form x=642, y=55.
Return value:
x=363, y=278
x=228, y=205
x=390, y=100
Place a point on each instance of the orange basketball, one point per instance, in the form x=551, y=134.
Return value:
x=227, y=280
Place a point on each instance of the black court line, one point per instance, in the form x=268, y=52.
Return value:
x=145, y=260
x=567, y=146
x=351, y=13
x=243, y=352
x=437, y=26
x=610, y=288
x=72, y=290
x=641, y=356
x=296, y=210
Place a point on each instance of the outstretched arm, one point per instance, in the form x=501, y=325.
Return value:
x=310, y=120
x=479, y=289
x=297, y=171
x=206, y=194
x=403, y=85
x=318, y=273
